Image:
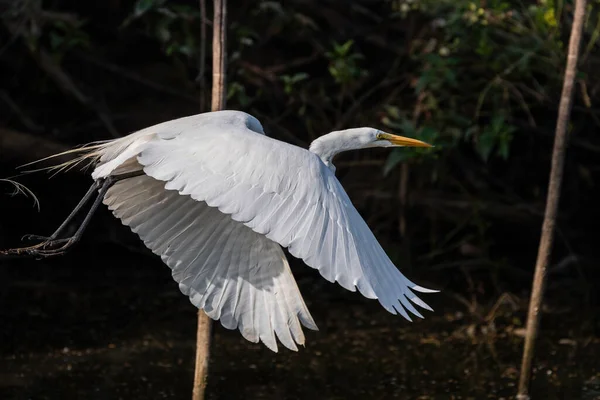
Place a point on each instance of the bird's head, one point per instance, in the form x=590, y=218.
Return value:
x=361, y=138
x=327, y=146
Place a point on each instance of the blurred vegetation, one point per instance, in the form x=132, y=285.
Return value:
x=479, y=79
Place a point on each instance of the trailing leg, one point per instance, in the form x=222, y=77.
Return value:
x=53, y=245
x=66, y=222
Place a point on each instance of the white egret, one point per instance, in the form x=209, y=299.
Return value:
x=217, y=200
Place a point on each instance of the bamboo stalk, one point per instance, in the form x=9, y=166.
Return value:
x=202, y=61
x=219, y=54
x=204, y=328
x=556, y=174
x=203, y=341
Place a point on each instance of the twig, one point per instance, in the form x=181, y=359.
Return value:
x=136, y=78
x=264, y=73
x=66, y=84
x=200, y=79
x=522, y=102
x=19, y=146
x=204, y=328
x=62, y=80
x=556, y=173
x=19, y=188
x=272, y=72
x=24, y=118
x=299, y=62
x=53, y=16
x=497, y=80
x=351, y=111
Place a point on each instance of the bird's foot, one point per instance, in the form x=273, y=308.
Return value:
x=37, y=238
x=47, y=248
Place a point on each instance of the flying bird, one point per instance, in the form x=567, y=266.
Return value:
x=217, y=199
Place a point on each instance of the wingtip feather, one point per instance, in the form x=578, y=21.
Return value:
x=423, y=290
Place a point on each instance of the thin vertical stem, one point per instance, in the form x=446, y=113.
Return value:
x=203, y=340
x=204, y=328
x=219, y=55
x=201, y=79
x=556, y=174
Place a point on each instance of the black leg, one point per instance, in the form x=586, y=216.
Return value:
x=54, y=246
x=58, y=246
x=62, y=226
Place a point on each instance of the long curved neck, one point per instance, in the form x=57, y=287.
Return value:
x=327, y=146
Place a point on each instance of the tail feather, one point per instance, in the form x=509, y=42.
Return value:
x=105, y=156
x=90, y=152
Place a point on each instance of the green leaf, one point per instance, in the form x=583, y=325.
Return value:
x=345, y=48
x=504, y=146
x=143, y=6
x=300, y=76
x=485, y=144
x=56, y=40
x=428, y=134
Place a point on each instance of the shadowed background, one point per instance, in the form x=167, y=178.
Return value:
x=480, y=80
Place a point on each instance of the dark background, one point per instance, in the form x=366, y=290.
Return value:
x=480, y=80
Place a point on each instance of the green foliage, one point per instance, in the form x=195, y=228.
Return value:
x=471, y=77
x=290, y=81
x=236, y=91
x=173, y=25
x=65, y=37
x=395, y=120
x=343, y=63
x=439, y=73
x=141, y=7
x=58, y=32
x=476, y=67
x=479, y=71
x=497, y=134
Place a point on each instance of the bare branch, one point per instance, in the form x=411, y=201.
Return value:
x=115, y=69
x=19, y=188
x=19, y=147
x=201, y=79
x=556, y=174
x=23, y=117
x=62, y=80
x=219, y=55
x=204, y=328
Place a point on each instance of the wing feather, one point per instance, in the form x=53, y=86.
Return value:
x=287, y=194
x=215, y=172
x=231, y=272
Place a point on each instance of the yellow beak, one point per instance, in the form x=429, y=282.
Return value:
x=403, y=141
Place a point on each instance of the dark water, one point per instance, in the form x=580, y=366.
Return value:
x=106, y=323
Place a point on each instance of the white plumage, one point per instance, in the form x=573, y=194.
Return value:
x=217, y=200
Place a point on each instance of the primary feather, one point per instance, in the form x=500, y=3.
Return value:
x=217, y=201
x=219, y=263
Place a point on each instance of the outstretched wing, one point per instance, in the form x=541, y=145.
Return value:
x=234, y=274
x=285, y=193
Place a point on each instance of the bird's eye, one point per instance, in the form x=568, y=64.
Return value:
x=379, y=136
